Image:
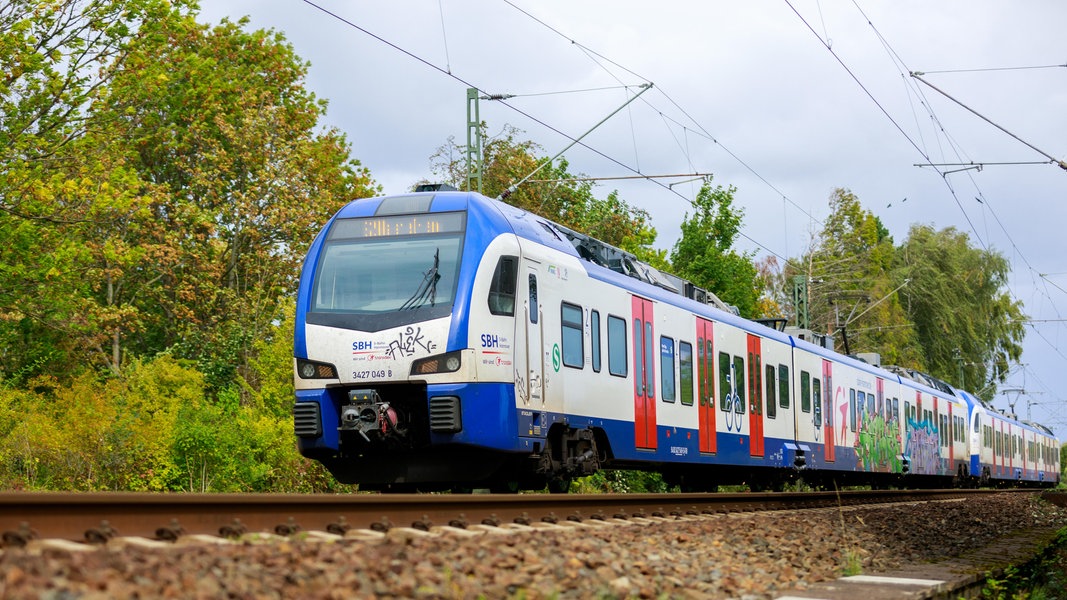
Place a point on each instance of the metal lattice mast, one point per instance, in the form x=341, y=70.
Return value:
x=474, y=142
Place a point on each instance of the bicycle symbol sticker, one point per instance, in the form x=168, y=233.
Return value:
x=731, y=406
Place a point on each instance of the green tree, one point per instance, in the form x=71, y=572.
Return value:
x=52, y=56
x=704, y=255
x=554, y=193
x=964, y=315
x=178, y=206
x=219, y=120
x=854, y=288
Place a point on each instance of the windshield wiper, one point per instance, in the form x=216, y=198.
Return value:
x=427, y=287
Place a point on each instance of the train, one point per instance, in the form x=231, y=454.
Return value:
x=445, y=340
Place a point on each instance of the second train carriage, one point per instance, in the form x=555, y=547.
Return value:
x=448, y=340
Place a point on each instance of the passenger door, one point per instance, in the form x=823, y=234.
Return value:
x=755, y=396
x=706, y=385
x=644, y=375
x=531, y=374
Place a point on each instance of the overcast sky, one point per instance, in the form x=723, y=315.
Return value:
x=785, y=101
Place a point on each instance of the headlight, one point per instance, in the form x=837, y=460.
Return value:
x=308, y=369
x=442, y=363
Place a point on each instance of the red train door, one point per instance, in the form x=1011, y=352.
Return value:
x=755, y=396
x=706, y=384
x=644, y=375
x=827, y=400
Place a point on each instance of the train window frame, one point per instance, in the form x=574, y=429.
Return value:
x=618, y=356
x=650, y=365
x=755, y=364
x=686, y=379
x=852, y=410
x=572, y=338
x=503, y=287
x=816, y=398
x=668, y=379
x=594, y=339
x=805, y=391
x=770, y=383
x=740, y=407
x=531, y=281
x=726, y=383
x=783, y=386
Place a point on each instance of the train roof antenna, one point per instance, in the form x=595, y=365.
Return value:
x=511, y=189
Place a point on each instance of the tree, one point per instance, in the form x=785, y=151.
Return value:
x=219, y=119
x=554, y=195
x=199, y=175
x=52, y=188
x=703, y=254
x=51, y=54
x=964, y=316
x=853, y=287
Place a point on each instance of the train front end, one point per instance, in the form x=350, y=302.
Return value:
x=388, y=392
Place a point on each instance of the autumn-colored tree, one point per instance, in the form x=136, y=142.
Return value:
x=704, y=253
x=200, y=176
x=218, y=118
x=53, y=186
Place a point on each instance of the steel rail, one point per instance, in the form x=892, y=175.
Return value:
x=98, y=516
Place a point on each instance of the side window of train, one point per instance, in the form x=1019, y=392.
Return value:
x=685, y=373
x=616, y=346
x=502, y=289
x=666, y=368
x=851, y=409
x=533, y=298
x=725, y=381
x=783, y=386
x=571, y=335
x=594, y=334
x=770, y=381
x=741, y=399
x=816, y=397
x=805, y=391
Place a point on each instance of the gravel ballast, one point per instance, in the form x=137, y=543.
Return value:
x=726, y=556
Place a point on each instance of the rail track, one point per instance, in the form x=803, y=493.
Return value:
x=96, y=518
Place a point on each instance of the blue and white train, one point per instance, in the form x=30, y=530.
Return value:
x=445, y=340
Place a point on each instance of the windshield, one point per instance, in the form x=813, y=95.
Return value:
x=367, y=272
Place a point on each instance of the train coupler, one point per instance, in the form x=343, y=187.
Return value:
x=368, y=415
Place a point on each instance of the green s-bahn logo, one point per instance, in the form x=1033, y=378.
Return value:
x=555, y=357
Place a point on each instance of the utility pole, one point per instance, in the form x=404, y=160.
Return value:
x=958, y=355
x=474, y=142
x=800, y=301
